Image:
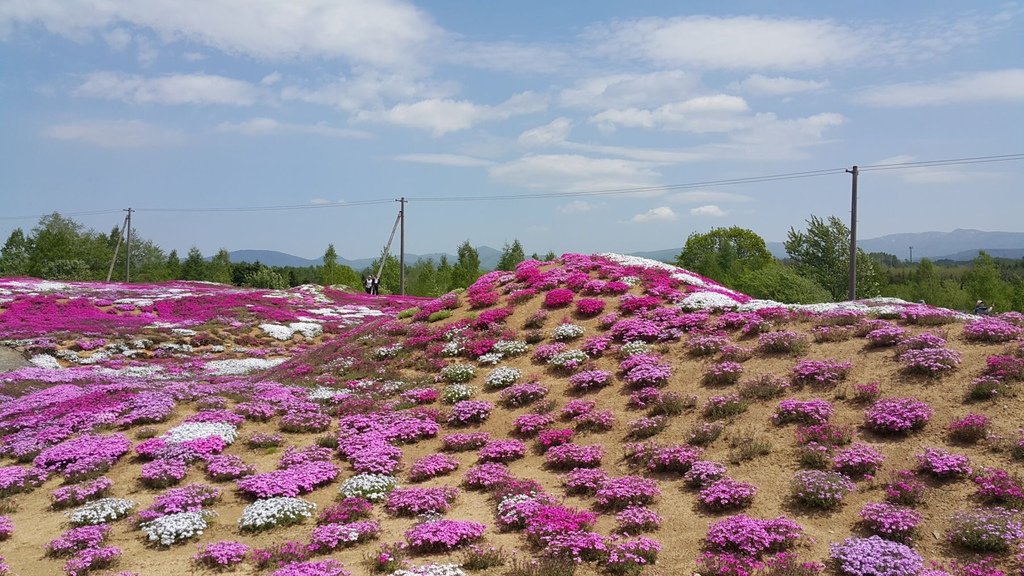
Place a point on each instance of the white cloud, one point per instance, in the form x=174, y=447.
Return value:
x=369, y=89
x=652, y=155
x=174, y=89
x=267, y=126
x=630, y=90
x=772, y=43
x=717, y=113
x=115, y=133
x=931, y=175
x=704, y=196
x=709, y=210
x=549, y=134
x=389, y=33
x=576, y=207
x=444, y=160
x=514, y=57
x=994, y=86
x=118, y=38
x=659, y=214
x=760, y=85
x=574, y=173
x=441, y=116
x=193, y=56
x=271, y=79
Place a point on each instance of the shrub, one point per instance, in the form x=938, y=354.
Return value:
x=885, y=336
x=985, y=529
x=589, y=306
x=559, y=298
x=704, y=433
x=432, y=465
x=347, y=510
x=467, y=412
x=568, y=361
x=567, y=331
x=372, y=487
x=523, y=394
x=858, y=460
x=727, y=494
x=568, y=456
x=818, y=489
x=531, y=424
x=969, y=429
x=752, y=537
x=763, y=387
x=703, y=473
x=220, y=555
x=414, y=501
x=479, y=558
x=706, y=344
x=589, y=380
x=897, y=415
x=502, y=377
x=942, y=464
x=820, y=373
x=904, y=488
x=723, y=373
x=992, y=330
x=782, y=342
x=175, y=528
x=637, y=519
x=997, y=486
x=505, y=450
x=671, y=403
x=889, y=521
x=930, y=361
x=100, y=511
x=875, y=556
x=282, y=511
x=548, y=438
x=718, y=407
x=673, y=458
x=595, y=421
x=802, y=411
x=457, y=373
x=747, y=444
x=825, y=434
x=618, y=493
x=630, y=556
x=646, y=427
x=868, y=392
x=584, y=480
x=486, y=476
x=443, y=535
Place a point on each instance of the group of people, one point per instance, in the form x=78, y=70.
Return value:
x=981, y=309
x=371, y=284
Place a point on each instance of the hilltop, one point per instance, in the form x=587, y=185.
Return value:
x=544, y=410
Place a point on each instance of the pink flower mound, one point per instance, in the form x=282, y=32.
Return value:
x=589, y=380
x=486, y=476
x=548, y=438
x=502, y=451
x=635, y=329
x=567, y=456
x=549, y=521
x=460, y=442
x=14, y=479
x=858, y=460
x=676, y=458
x=190, y=498
x=589, y=306
x=290, y=481
x=996, y=486
x=642, y=370
x=317, y=568
x=84, y=456
x=221, y=554
x=727, y=494
x=532, y=424
x=942, y=464
x=753, y=537
x=991, y=330
x=584, y=480
x=618, y=493
x=76, y=494
x=432, y=465
x=415, y=501
x=467, y=412
x=227, y=467
x=897, y=415
x=820, y=373
x=802, y=411
x=163, y=472
x=443, y=535
x=329, y=537
x=559, y=298
x=890, y=521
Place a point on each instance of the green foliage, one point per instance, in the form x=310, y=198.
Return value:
x=65, y=269
x=16, y=254
x=511, y=255
x=725, y=254
x=983, y=282
x=194, y=266
x=822, y=254
x=389, y=277
x=439, y=315
x=219, y=269
x=264, y=277
x=331, y=272
x=408, y=312
x=173, y=266
x=467, y=268
x=781, y=283
x=444, y=276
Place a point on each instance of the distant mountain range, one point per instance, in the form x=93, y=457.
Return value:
x=958, y=245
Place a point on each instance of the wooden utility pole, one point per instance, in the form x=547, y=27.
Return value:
x=128, y=247
x=401, y=247
x=851, y=293
x=120, y=237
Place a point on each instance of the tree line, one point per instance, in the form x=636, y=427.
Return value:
x=59, y=248
x=817, y=270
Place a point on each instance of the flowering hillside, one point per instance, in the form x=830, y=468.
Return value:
x=603, y=414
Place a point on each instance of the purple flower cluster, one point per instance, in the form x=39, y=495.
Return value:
x=885, y=336
x=820, y=373
x=997, y=486
x=990, y=329
x=985, y=529
x=532, y=424
x=637, y=519
x=875, y=556
x=432, y=465
x=858, y=460
x=642, y=370
x=943, y=464
x=83, y=457
x=618, y=493
x=702, y=473
x=568, y=456
x=463, y=441
x=782, y=342
x=930, y=361
x=897, y=415
x=723, y=373
x=802, y=411
x=414, y=501
x=467, y=412
x=889, y=521
x=589, y=380
x=443, y=535
x=330, y=537
x=969, y=429
x=820, y=489
x=76, y=494
x=505, y=450
x=727, y=494
x=220, y=555
x=294, y=481
x=752, y=537
x=523, y=394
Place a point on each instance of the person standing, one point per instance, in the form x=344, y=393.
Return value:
x=375, y=286
x=368, y=284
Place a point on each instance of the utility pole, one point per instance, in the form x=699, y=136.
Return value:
x=911, y=254
x=120, y=237
x=851, y=293
x=401, y=246
x=128, y=246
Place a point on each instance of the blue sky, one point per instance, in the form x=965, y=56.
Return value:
x=231, y=103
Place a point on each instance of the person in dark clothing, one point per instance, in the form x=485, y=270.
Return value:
x=981, y=309
x=375, y=286
x=368, y=284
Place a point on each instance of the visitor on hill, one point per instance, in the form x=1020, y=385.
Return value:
x=981, y=309
x=368, y=284
x=375, y=286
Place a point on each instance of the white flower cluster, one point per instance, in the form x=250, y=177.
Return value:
x=458, y=372
x=629, y=280
x=281, y=332
x=431, y=570
x=196, y=430
x=270, y=512
x=491, y=358
x=100, y=511
x=567, y=331
x=633, y=348
x=238, y=366
x=385, y=352
x=568, y=359
x=45, y=361
x=707, y=301
x=453, y=393
x=502, y=377
x=323, y=394
x=373, y=487
x=454, y=333
x=175, y=528
x=452, y=348
x=510, y=347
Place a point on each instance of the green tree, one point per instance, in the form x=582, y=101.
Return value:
x=467, y=267
x=389, y=275
x=240, y=272
x=550, y=256
x=983, y=282
x=194, y=266
x=782, y=284
x=511, y=255
x=219, y=269
x=443, y=284
x=173, y=266
x=263, y=277
x=65, y=269
x=55, y=238
x=421, y=279
x=822, y=254
x=16, y=254
x=725, y=254
x=331, y=272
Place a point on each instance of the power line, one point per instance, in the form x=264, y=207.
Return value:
x=272, y=208
x=86, y=213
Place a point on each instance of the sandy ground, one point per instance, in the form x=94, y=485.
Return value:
x=11, y=360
